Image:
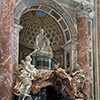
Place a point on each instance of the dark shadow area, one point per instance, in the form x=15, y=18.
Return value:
x=51, y=93
x=48, y=93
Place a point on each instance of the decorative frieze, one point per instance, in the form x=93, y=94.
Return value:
x=84, y=10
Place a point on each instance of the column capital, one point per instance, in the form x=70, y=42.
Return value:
x=84, y=10
x=67, y=45
x=17, y=28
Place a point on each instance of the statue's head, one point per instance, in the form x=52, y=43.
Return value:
x=77, y=67
x=28, y=58
x=42, y=31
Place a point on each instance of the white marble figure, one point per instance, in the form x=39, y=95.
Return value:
x=27, y=75
x=78, y=79
x=42, y=43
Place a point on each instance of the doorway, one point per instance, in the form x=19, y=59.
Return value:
x=52, y=94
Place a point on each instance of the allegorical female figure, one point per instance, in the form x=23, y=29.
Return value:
x=27, y=75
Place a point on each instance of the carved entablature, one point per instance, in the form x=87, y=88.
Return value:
x=84, y=10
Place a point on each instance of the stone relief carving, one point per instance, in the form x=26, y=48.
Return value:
x=85, y=10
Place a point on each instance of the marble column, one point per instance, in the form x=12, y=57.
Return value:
x=17, y=29
x=74, y=52
x=67, y=50
x=71, y=48
x=83, y=44
x=6, y=49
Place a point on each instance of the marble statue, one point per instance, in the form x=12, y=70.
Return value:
x=27, y=75
x=42, y=43
x=78, y=79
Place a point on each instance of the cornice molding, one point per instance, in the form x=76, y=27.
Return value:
x=84, y=10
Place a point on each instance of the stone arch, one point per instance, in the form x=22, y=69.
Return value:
x=25, y=5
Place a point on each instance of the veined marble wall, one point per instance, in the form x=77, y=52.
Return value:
x=98, y=32
x=6, y=49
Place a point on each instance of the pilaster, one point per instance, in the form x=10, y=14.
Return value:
x=70, y=54
x=17, y=29
x=82, y=15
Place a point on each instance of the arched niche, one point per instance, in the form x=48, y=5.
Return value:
x=26, y=5
x=54, y=10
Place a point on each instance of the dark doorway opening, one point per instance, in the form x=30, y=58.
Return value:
x=52, y=94
x=47, y=93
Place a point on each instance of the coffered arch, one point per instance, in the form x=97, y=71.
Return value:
x=56, y=12
x=32, y=21
x=49, y=6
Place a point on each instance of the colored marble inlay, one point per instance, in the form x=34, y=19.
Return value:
x=6, y=52
x=63, y=24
